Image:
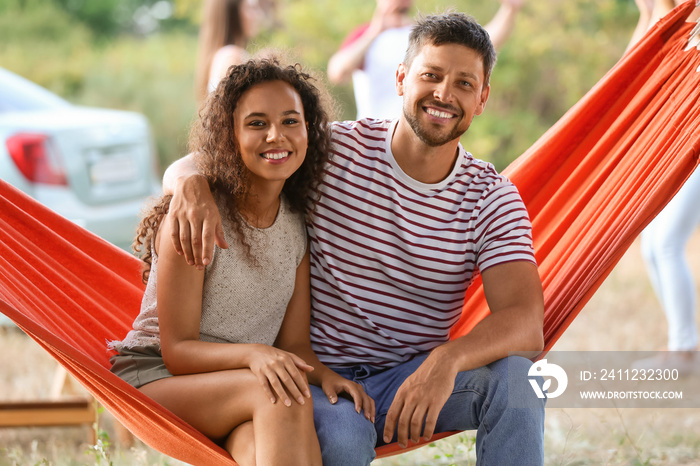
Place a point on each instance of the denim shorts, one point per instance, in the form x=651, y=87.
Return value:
x=140, y=365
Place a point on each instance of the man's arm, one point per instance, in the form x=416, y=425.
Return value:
x=514, y=294
x=194, y=218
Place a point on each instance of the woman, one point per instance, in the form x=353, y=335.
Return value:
x=217, y=346
x=227, y=26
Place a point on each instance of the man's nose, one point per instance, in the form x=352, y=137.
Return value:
x=442, y=92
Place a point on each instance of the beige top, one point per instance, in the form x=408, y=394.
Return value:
x=242, y=302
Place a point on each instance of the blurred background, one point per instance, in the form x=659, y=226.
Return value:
x=140, y=55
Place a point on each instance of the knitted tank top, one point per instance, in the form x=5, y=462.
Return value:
x=243, y=300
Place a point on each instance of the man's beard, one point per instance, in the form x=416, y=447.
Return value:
x=428, y=137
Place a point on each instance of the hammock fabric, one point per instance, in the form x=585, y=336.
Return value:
x=591, y=184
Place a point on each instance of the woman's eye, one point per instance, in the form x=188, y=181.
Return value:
x=256, y=123
x=291, y=121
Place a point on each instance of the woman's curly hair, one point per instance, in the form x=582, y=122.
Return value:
x=215, y=146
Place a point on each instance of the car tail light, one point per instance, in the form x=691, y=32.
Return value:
x=35, y=158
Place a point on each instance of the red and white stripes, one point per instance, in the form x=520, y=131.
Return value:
x=393, y=257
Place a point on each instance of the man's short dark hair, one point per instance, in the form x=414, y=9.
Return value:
x=451, y=28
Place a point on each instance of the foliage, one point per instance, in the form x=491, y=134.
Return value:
x=150, y=75
x=86, y=51
x=543, y=71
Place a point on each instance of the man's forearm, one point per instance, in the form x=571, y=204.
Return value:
x=493, y=338
x=178, y=170
x=513, y=292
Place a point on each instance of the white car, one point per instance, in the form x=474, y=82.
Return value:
x=93, y=166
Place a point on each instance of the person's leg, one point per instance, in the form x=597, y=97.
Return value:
x=241, y=443
x=509, y=414
x=663, y=244
x=496, y=400
x=216, y=403
x=346, y=437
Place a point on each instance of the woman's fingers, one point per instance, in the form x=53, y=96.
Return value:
x=363, y=402
x=301, y=364
x=287, y=381
x=278, y=388
x=283, y=374
x=295, y=383
x=301, y=383
x=368, y=406
x=266, y=387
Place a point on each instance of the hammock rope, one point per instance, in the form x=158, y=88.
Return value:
x=591, y=184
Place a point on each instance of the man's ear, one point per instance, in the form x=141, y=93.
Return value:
x=484, y=97
x=400, y=77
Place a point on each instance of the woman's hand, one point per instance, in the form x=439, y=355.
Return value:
x=280, y=373
x=334, y=384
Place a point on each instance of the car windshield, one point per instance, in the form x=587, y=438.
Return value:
x=20, y=95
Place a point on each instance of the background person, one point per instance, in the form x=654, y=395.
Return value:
x=664, y=244
x=370, y=54
x=227, y=26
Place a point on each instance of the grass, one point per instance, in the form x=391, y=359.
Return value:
x=623, y=315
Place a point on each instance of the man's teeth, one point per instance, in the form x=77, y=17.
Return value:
x=438, y=113
x=275, y=155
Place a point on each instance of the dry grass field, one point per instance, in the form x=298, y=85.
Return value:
x=623, y=315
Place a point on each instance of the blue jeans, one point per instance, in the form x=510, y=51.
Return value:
x=508, y=430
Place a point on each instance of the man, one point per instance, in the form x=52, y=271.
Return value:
x=406, y=220
x=371, y=53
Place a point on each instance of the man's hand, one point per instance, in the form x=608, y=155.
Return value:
x=419, y=401
x=195, y=221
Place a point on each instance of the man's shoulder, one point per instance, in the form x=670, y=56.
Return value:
x=479, y=179
x=366, y=126
x=480, y=168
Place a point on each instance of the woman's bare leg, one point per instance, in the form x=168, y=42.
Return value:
x=291, y=430
x=241, y=444
x=215, y=403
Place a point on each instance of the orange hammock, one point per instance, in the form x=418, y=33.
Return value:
x=591, y=184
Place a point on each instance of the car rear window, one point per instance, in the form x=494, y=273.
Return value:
x=20, y=95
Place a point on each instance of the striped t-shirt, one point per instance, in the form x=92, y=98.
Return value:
x=391, y=258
